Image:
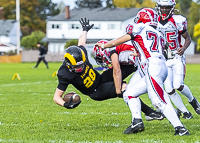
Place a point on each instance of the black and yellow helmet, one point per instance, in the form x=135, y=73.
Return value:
x=75, y=59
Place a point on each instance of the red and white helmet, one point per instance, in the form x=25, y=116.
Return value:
x=148, y=16
x=102, y=57
x=165, y=3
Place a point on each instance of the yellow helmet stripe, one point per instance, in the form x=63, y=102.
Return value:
x=71, y=58
x=83, y=55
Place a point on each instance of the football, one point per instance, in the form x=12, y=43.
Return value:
x=67, y=96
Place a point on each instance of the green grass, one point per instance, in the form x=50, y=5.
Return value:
x=28, y=113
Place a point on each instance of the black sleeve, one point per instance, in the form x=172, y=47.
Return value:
x=62, y=87
x=40, y=50
x=62, y=82
x=112, y=52
x=46, y=50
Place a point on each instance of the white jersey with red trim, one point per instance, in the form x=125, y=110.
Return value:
x=172, y=29
x=124, y=51
x=147, y=40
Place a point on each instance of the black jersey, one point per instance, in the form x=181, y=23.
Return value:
x=85, y=82
x=43, y=50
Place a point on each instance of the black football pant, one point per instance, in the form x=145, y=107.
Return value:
x=42, y=59
x=106, y=90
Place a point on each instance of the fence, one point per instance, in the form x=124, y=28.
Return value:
x=32, y=56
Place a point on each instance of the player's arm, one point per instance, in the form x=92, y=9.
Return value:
x=115, y=42
x=117, y=75
x=82, y=38
x=86, y=27
x=58, y=97
x=135, y=53
x=187, y=38
x=58, y=100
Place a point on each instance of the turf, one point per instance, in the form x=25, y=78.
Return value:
x=28, y=113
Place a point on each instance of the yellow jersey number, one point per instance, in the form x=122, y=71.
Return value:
x=89, y=80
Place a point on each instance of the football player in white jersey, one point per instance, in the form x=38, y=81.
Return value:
x=121, y=61
x=173, y=27
x=150, y=43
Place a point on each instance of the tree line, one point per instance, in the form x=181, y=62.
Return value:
x=34, y=13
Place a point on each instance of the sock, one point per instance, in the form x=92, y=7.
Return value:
x=171, y=115
x=145, y=108
x=186, y=91
x=135, y=108
x=176, y=99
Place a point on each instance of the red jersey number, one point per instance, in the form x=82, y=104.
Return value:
x=154, y=37
x=171, y=39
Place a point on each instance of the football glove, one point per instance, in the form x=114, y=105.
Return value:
x=165, y=51
x=71, y=104
x=85, y=24
x=122, y=92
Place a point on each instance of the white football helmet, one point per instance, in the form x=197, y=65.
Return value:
x=165, y=3
x=147, y=16
x=101, y=56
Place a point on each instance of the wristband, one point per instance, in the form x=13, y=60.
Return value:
x=120, y=95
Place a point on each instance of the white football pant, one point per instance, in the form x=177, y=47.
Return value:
x=152, y=83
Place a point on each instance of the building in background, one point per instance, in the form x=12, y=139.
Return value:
x=109, y=23
x=8, y=36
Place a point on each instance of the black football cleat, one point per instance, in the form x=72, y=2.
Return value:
x=137, y=126
x=154, y=116
x=195, y=104
x=187, y=115
x=181, y=131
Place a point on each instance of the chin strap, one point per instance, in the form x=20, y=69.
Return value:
x=176, y=10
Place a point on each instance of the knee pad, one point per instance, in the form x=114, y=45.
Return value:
x=172, y=92
x=180, y=88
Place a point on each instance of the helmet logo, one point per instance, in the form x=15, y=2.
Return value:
x=146, y=17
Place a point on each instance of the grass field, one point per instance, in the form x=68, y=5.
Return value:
x=29, y=115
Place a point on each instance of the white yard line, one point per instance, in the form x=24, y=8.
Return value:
x=19, y=84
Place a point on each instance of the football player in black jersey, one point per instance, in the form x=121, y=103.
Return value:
x=78, y=71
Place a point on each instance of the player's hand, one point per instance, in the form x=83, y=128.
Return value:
x=180, y=51
x=71, y=104
x=99, y=45
x=134, y=52
x=124, y=85
x=85, y=24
